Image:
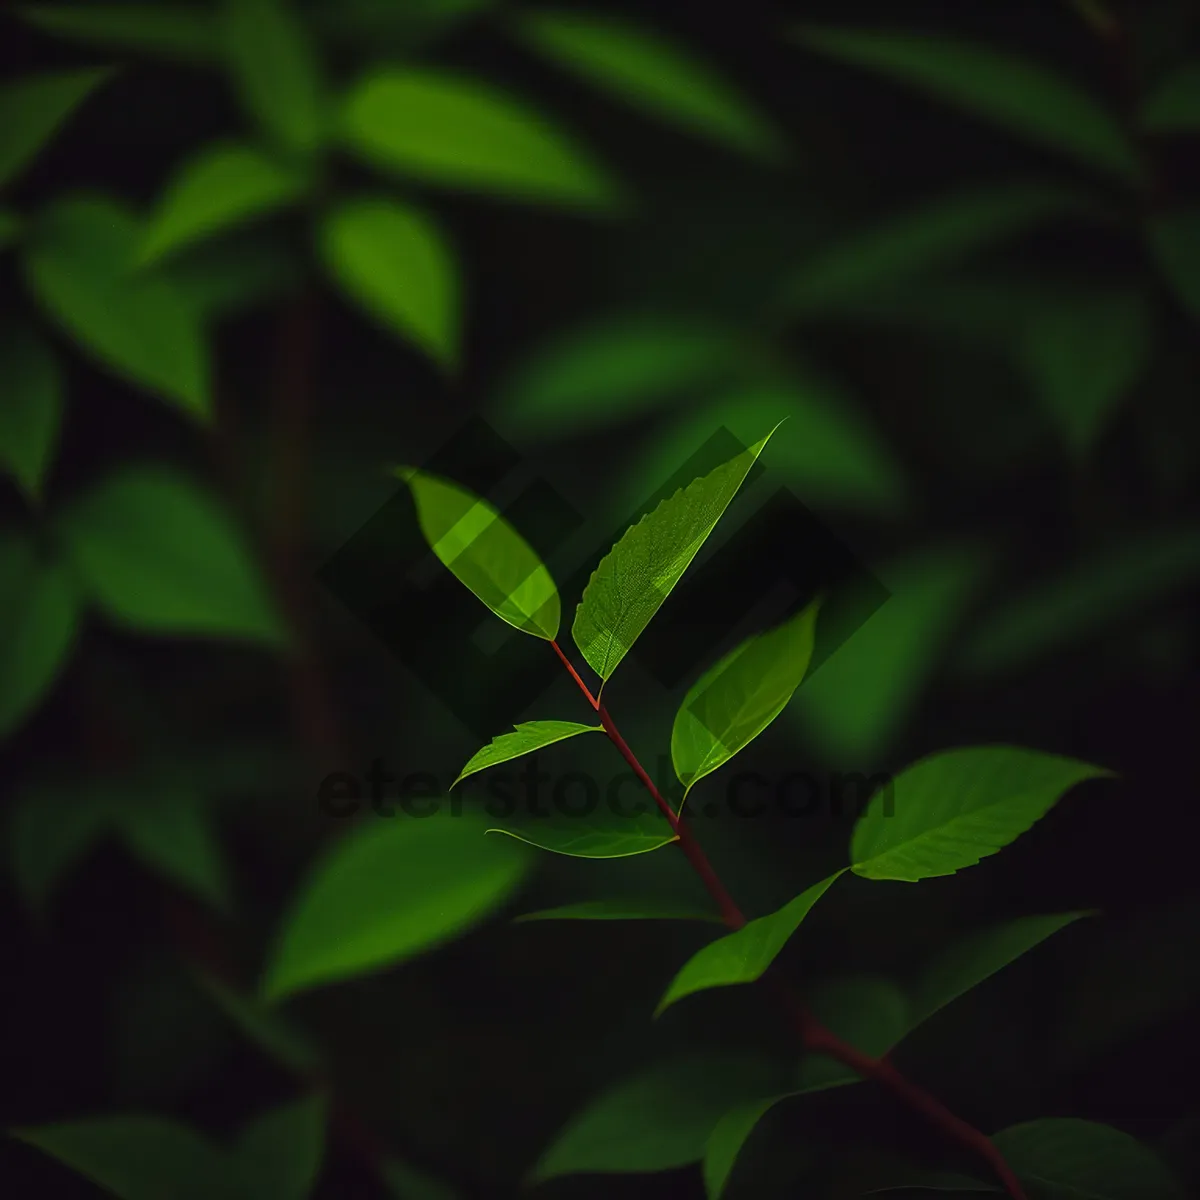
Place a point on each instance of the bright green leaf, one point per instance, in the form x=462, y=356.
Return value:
x=1064, y=1158
x=395, y=262
x=598, y=832
x=224, y=185
x=173, y=31
x=743, y=956
x=279, y=1153
x=387, y=892
x=156, y=553
x=527, y=737
x=485, y=553
x=79, y=265
x=32, y=109
x=1174, y=241
x=952, y=809
x=276, y=71
x=738, y=697
x=640, y=571
x=460, y=132
x=620, y=910
x=30, y=406
x=1174, y=105
x=647, y=70
x=658, y=1119
x=39, y=620
x=1009, y=91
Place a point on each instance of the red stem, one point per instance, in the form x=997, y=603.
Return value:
x=815, y=1037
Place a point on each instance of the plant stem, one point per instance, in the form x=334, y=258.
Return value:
x=814, y=1036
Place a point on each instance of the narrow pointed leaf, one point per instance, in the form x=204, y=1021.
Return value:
x=735, y=700
x=1008, y=91
x=31, y=411
x=645, y=69
x=743, y=956
x=459, y=132
x=598, y=832
x=527, y=737
x=952, y=809
x=1173, y=106
x=393, y=260
x=172, y=31
x=485, y=553
x=620, y=910
x=388, y=891
x=79, y=265
x=279, y=1153
x=641, y=570
x=225, y=185
x=32, y=109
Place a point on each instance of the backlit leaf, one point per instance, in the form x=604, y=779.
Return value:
x=31, y=410
x=526, y=737
x=172, y=31
x=594, y=830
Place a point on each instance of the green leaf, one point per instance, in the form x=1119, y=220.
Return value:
x=727, y=1139
x=1084, y=359
x=172, y=31
x=136, y=1157
x=485, y=553
x=224, y=185
x=460, y=132
x=1082, y=601
x=405, y=1182
x=79, y=268
x=1013, y=93
x=743, y=956
x=276, y=70
x=738, y=697
x=32, y=109
x=641, y=570
x=39, y=621
x=1173, y=106
x=156, y=553
x=387, y=892
x=1064, y=1158
x=978, y=956
x=645, y=69
x=658, y=1119
x=527, y=737
x=394, y=261
x=598, y=833
x=620, y=910
x=279, y=1153
x=235, y=275
x=1174, y=241
x=952, y=809
x=31, y=413
x=611, y=370
x=936, y=234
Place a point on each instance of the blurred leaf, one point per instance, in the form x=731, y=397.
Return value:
x=39, y=621
x=651, y=72
x=743, y=956
x=728, y=1137
x=136, y=1157
x=276, y=71
x=460, y=132
x=31, y=413
x=738, y=697
x=79, y=267
x=387, y=26
x=279, y=1153
x=660, y=1118
x=936, y=234
x=1013, y=93
x=640, y=571
x=856, y=702
x=619, y=910
x=598, y=833
x=234, y=275
x=395, y=262
x=950, y=810
x=173, y=31
x=407, y=1183
x=224, y=184
x=610, y=370
x=33, y=107
x=1174, y=240
x=1174, y=105
x=10, y=227
x=485, y=553
x=387, y=892
x=158, y=554
x=1083, y=359
x=1062, y=1158
x=526, y=737
x=1082, y=601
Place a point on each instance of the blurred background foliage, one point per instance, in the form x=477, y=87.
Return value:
x=254, y=254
